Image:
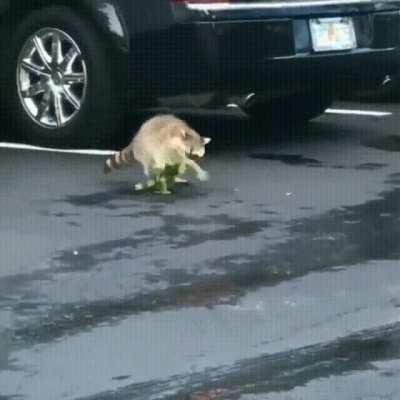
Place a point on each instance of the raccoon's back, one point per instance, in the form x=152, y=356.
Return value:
x=157, y=129
x=154, y=135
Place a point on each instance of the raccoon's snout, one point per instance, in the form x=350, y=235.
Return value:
x=198, y=153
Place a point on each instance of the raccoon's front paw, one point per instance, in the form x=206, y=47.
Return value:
x=138, y=187
x=181, y=180
x=202, y=176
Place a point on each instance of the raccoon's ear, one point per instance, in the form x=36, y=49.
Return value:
x=206, y=140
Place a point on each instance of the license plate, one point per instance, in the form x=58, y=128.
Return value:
x=333, y=34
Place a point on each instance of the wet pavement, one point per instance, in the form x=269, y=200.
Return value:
x=277, y=279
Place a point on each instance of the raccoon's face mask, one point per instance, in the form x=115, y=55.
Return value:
x=195, y=145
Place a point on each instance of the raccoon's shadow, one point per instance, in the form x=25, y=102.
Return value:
x=187, y=191
x=121, y=194
x=101, y=199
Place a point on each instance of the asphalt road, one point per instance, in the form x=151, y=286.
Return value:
x=277, y=279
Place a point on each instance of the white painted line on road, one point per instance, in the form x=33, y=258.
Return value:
x=93, y=152
x=358, y=112
x=90, y=152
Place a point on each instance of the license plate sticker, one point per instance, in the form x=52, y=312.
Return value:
x=333, y=34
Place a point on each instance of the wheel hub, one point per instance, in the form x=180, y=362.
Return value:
x=57, y=78
x=51, y=78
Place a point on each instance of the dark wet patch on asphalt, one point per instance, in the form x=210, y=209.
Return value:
x=300, y=160
x=100, y=199
x=5, y=343
x=316, y=243
x=47, y=213
x=394, y=179
x=362, y=167
x=267, y=212
x=371, y=166
x=289, y=159
x=121, y=378
x=74, y=224
x=153, y=212
x=174, y=230
x=174, y=277
x=64, y=215
x=395, y=302
x=139, y=214
x=348, y=236
x=338, y=167
x=279, y=372
x=387, y=143
x=74, y=318
x=9, y=285
x=373, y=237
x=86, y=257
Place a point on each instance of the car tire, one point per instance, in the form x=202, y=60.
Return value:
x=83, y=98
x=290, y=111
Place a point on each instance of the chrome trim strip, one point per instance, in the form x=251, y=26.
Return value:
x=272, y=5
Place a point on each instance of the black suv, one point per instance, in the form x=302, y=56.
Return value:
x=72, y=68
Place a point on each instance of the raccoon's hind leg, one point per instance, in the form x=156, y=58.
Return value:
x=152, y=173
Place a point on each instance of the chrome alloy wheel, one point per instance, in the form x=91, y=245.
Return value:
x=51, y=78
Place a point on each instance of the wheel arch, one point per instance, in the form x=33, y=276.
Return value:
x=104, y=15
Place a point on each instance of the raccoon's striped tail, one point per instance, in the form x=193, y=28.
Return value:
x=118, y=161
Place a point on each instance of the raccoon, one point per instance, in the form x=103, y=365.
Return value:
x=162, y=141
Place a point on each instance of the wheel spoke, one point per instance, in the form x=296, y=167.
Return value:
x=70, y=79
x=44, y=56
x=44, y=104
x=34, y=90
x=56, y=50
x=34, y=69
x=71, y=98
x=69, y=59
x=58, y=109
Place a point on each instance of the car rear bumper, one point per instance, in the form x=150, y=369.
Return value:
x=339, y=73
x=277, y=54
x=255, y=49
